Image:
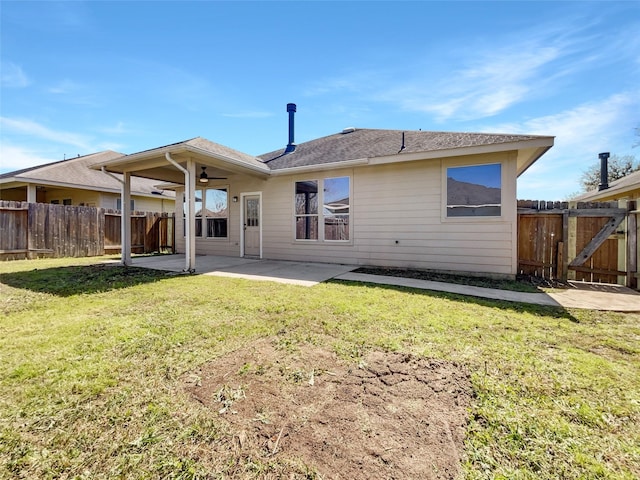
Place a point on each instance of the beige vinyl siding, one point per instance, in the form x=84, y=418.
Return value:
x=91, y=198
x=152, y=204
x=77, y=196
x=398, y=219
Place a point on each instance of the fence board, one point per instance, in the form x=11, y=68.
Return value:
x=538, y=240
x=14, y=218
x=32, y=230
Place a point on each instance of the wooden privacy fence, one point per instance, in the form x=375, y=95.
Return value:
x=586, y=241
x=31, y=230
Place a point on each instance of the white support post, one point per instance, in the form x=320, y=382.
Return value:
x=190, y=218
x=190, y=193
x=125, y=229
x=31, y=193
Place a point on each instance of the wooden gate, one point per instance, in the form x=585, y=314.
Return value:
x=585, y=241
x=603, y=265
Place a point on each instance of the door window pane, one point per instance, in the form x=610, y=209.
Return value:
x=252, y=212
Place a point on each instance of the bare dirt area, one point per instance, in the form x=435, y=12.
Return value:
x=390, y=415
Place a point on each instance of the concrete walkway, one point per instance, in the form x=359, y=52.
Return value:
x=581, y=295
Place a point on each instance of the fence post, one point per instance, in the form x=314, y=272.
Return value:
x=632, y=244
x=563, y=263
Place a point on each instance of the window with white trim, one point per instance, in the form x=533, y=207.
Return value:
x=119, y=204
x=306, y=200
x=334, y=195
x=211, y=212
x=474, y=191
x=216, y=212
x=335, y=208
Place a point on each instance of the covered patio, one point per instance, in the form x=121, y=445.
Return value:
x=186, y=165
x=306, y=274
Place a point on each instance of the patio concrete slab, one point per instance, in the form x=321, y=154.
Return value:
x=295, y=273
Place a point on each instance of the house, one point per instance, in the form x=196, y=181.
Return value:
x=625, y=188
x=411, y=199
x=72, y=182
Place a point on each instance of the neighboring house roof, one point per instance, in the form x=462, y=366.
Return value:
x=621, y=187
x=361, y=146
x=75, y=173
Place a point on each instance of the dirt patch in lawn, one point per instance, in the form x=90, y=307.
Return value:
x=391, y=415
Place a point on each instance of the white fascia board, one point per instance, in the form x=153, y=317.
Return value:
x=18, y=181
x=320, y=167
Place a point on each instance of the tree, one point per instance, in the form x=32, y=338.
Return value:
x=618, y=167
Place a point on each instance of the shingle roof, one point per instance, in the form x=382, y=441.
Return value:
x=619, y=186
x=208, y=147
x=75, y=173
x=217, y=149
x=371, y=143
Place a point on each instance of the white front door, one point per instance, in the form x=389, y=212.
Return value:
x=251, y=225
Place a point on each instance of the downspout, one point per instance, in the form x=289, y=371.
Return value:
x=125, y=218
x=103, y=170
x=188, y=267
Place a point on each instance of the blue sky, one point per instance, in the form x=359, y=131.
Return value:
x=81, y=77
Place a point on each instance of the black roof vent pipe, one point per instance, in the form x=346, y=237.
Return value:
x=604, y=170
x=291, y=109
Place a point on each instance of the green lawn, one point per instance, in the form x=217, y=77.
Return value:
x=90, y=360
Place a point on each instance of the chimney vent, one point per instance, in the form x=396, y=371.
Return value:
x=291, y=146
x=604, y=171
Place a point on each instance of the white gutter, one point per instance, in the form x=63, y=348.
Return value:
x=320, y=167
x=189, y=265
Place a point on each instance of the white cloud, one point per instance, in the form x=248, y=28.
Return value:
x=17, y=157
x=496, y=82
x=13, y=76
x=33, y=129
x=63, y=88
x=589, y=126
x=118, y=129
x=581, y=133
